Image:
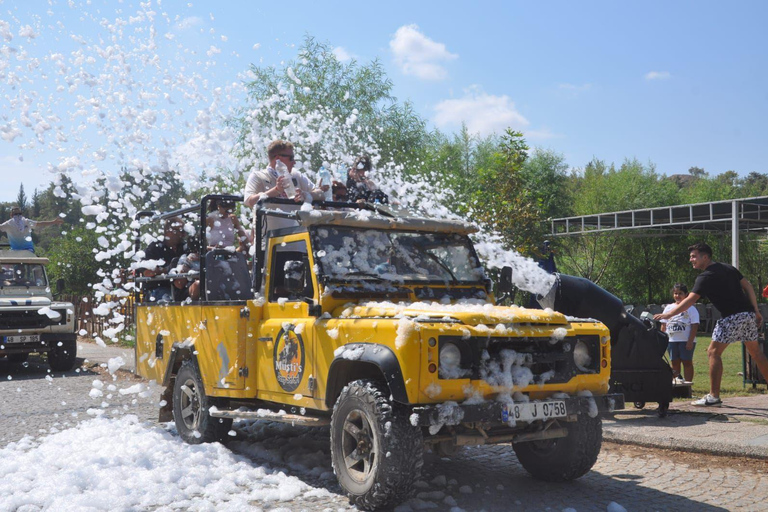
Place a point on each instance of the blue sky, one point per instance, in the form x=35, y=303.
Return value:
x=676, y=84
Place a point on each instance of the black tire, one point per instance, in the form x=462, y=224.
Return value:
x=62, y=355
x=639, y=405
x=17, y=358
x=376, y=453
x=566, y=458
x=663, y=409
x=190, y=408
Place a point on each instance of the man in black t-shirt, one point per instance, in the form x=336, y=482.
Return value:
x=735, y=299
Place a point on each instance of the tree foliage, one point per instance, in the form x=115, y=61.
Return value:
x=72, y=259
x=317, y=83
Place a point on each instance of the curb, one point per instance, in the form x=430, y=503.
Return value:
x=686, y=445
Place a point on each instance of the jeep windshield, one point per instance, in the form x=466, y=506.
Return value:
x=346, y=254
x=22, y=274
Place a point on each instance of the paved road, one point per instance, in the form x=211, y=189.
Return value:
x=479, y=478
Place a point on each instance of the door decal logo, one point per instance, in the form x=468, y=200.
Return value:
x=288, y=356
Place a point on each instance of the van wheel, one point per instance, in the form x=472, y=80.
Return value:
x=62, y=358
x=376, y=453
x=565, y=458
x=190, y=408
x=17, y=358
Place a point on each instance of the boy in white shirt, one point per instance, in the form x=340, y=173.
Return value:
x=681, y=329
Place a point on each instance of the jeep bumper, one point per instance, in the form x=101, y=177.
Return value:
x=497, y=412
x=47, y=341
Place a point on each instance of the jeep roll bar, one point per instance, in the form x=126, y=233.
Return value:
x=202, y=247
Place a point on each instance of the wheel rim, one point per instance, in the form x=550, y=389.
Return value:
x=190, y=405
x=358, y=444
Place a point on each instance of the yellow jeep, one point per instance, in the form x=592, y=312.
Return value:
x=382, y=325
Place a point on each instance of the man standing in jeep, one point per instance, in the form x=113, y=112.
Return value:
x=19, y=229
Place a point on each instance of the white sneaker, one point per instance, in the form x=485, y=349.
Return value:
x=678, y=380
x=708, y=400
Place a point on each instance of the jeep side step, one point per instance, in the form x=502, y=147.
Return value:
x=266, y=414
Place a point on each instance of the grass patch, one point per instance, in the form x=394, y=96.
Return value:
x=732, y=383
x=127, y=337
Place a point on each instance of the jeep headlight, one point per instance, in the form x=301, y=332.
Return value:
x=581, y=356
x=450, y=357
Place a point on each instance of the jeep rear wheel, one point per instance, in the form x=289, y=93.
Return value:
x=62, y=355
x=376, y=453
x=565, y=458
x=190, y=408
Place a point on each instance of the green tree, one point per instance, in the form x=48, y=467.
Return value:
x=35, y=204
x=632, y=264
x=72, y=259
x=317, y=86
x=504, y=203
x=545, y=176
x=754, y=185
x=697, y=172
x=21, y=199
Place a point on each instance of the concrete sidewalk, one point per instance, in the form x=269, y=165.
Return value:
x=737, y=428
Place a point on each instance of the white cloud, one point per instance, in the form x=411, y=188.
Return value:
x=482, y=113
x=342, y=55
x=418, y=55
x=658, y=75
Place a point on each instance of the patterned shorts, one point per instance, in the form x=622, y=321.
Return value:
x=733, y=328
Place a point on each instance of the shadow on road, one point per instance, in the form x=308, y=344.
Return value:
x=477, y=478
x=36, y=367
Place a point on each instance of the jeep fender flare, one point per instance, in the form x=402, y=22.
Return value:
x=179, y=354
x=343, y=371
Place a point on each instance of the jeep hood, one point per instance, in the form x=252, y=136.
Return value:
x=35, y=301
x=467, y=314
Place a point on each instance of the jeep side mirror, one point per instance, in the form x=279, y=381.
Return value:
x=505, y=282
x=505, y=288
x=59, y=285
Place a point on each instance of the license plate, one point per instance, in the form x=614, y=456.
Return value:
x=533, y=411
x=23, y=338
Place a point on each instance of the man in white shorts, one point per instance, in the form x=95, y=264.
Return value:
x=733, y=296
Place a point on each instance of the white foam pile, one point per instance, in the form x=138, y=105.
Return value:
x=120, y=464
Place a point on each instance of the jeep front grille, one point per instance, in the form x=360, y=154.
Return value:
x=29, y=319
x=543, y=356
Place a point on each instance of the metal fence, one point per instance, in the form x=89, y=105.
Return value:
x=93, y=324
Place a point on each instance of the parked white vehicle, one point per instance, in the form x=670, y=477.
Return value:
x=30, y=319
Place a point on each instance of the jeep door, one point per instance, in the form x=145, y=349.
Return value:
x=286, y=341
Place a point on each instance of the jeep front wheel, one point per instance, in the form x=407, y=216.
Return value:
x=376, y=453
x=62, y=356
x=565, y=458
x=190, y=408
